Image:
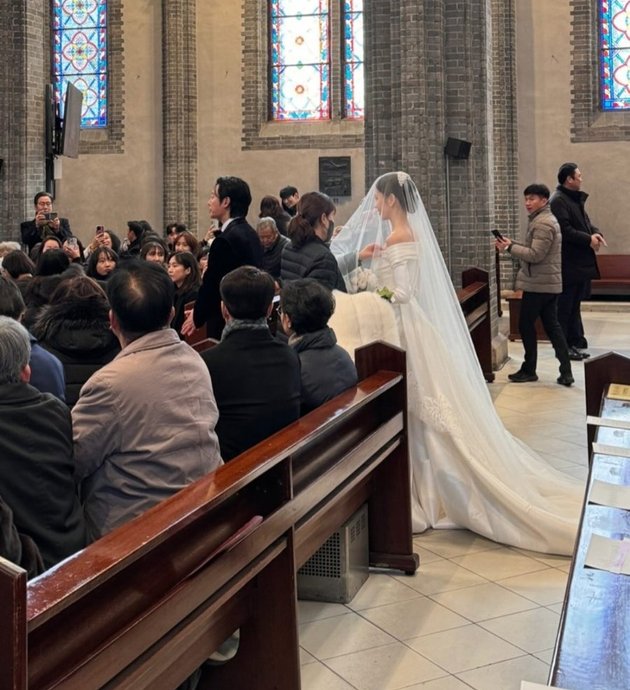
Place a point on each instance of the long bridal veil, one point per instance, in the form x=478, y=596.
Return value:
x=468, y=470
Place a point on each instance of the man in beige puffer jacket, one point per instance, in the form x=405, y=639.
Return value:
x=540, y=279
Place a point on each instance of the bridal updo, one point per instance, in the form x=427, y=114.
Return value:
x=310, y=209
x=400, y=185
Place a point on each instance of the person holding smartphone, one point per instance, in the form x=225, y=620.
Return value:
x=45, y=223
x=540, y=279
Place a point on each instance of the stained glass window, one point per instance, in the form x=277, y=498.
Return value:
x=614, y=33
x=80, y=55
x=300, y=69
x=354, y=96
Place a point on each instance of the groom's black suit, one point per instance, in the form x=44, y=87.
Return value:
x=237, y=246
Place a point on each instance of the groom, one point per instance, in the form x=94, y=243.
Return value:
x=236, y=245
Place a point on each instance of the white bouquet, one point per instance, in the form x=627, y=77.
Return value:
x=362, y=280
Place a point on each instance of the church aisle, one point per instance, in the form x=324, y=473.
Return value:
x=476, y=614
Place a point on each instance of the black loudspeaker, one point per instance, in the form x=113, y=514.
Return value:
x=457, y=148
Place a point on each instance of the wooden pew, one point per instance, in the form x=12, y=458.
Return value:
x=474, y=299
x=144, y=606
x=592, y=646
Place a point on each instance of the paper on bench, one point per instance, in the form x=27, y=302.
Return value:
x=611, y=555
x=618, y=391
x=607, y=422
x=607, y=494
x=615, y=451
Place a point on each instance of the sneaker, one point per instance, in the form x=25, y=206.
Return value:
x=522, y=377
x=576, y=355
x=565, y=380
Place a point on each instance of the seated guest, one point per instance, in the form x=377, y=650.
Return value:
x=107, y=238
x=155, y=251
x=183, y=270
x=16, y=547
x=47, y=245
x=74, y=327
x=37, y=294
x=46, y=370
x=144, y=423
x=272, y=243
x=289, y=197
x=36, y=465
x=171, y=232
x=52, y=263
x=101, y=263
x=326, y=368
x=256, y=379
x=46, y=222
x=270, y=208
x=308, y=256
x=187, y=242
x=19, y=268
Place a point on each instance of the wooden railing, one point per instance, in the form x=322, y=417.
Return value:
x=592, y=646
x=144, y=606
x=474, y=299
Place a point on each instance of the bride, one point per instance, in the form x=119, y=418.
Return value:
x=468, y=470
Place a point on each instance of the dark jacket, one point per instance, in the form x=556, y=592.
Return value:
x=78, y=333
x=16, y=547
x=312, y=260
x=181, y=300
x=256, y=383
x=31, y=234
x=37, y=470
x=237, y=246
x=273, y=255
x=579, y=262
x=326, y=368
x=46, y=371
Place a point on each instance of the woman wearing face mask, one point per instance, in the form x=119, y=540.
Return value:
x=308, y=255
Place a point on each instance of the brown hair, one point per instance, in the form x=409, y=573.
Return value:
x=310, y=209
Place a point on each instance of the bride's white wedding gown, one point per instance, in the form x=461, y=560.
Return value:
x=468, y=470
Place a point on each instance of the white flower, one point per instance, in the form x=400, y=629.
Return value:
x=362, y=280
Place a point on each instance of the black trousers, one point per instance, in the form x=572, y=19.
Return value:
x=569, y=315
x=545, y=306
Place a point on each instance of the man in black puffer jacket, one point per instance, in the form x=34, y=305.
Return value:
x=580, y=240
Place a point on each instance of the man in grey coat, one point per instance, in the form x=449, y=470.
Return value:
x=144, y=425
x=540, y=279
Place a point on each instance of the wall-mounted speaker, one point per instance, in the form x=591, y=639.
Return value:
x=457, y=148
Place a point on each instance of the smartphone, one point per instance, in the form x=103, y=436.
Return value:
x=72, y=242
x=50, y=216
x=100, y=229
x=497, y=234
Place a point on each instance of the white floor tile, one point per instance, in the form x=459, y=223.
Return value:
x=341, y=635
x=383, y=589
x=318, y=677
x=506, y=675
x=449, y=543
x=385, y=668
x=441, y=576
x=544, y=587
x=447, y=683
x=499, y=564
x=532, y=631
x=483, y=602
x=413, y=618
x=464, y=648
x=317, y=610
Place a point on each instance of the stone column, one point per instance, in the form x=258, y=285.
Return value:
x=24, y=51
x=179, y=108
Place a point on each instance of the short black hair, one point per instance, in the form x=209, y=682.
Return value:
x=308, y=304
x=239, y=193
x=51, y=263
x=537, y=189
x=287, y=191
x=39, y=195
x=141, y=296
x=247, y=292
x=11, y=300
x=16, y=263
x=90, y=269
x=566, y=170
x=137, y=228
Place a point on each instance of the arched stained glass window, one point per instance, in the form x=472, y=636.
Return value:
x=316, y=59
x=300, y=60
x=614, y=41
x=353, y=80
x=80, y=55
